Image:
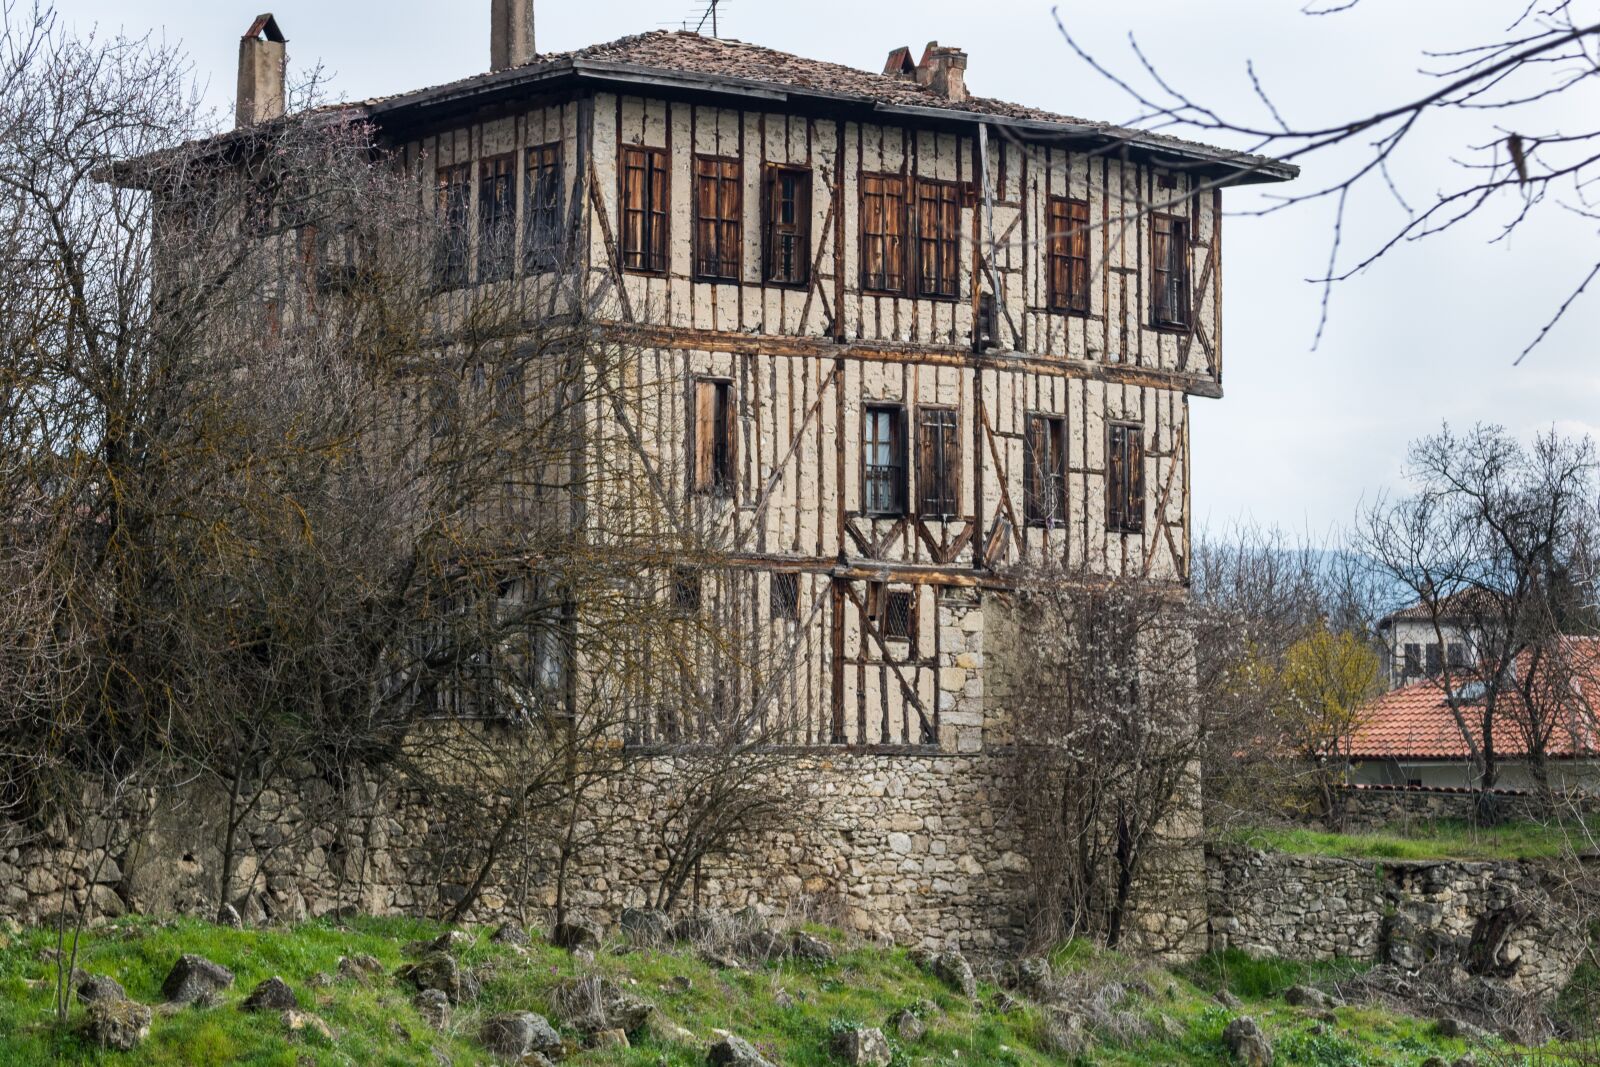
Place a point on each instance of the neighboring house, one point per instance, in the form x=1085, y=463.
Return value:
x=1412, y=735
x=1412, y=645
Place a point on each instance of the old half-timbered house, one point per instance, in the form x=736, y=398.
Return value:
x=892, y=339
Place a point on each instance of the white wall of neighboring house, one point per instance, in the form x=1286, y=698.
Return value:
x=1459, y=774
x=1428, y=652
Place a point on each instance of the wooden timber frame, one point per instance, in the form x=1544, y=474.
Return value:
x=804, y=361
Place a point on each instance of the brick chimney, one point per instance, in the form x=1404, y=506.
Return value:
x=944, y=70
x=261, y=63
x=510, y=33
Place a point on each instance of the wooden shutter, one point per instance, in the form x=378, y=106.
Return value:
x=938, y=462
x=705, y=435
x=1033, y=465
x=644, y=209
x=938, y=238
x=1170, y=270
x=883, y=225
x=718, y=239
x=1125, y=478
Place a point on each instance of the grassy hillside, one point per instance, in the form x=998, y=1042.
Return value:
x=788, y=1009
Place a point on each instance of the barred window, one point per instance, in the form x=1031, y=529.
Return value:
x=1125, y=477
x=685, y=590
x=892, y=611
x=644, y=209
x=717, y=212
x=938, y=462
x=1045, y=474
x=786, y=597
x=1170, y=260
x=787, y=233
x=453, y=202
x=938, y=239
x=497, y=218
x=1068, y=252
x=544, y=229
x=883, y=221
x=884, y=467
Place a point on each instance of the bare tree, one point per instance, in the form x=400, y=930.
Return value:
x=1484, y=545
x=1515, y=153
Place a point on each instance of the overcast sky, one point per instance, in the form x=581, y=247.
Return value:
x=1302, y=436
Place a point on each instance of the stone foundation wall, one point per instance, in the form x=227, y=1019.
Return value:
x=1499, y=920
x=1371, y=807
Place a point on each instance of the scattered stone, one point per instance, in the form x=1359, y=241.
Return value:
x=1034, y=978
x=359, y=968
x=646, y=927
x=118, y=1024
x=1300, y=996
x=451, y=941
x=664, y=1030
x=862, y=1047
x=515, y=1034
x=1469, y=1060
x=320, y=980
x=273, y=994
x=434, y=1007
x=761, y=946
x=803, y=946
x=1451, y=1027
x=703, y=927
x=1063, y=1033
x=952, y=968
x=592, y=1004
x=194, y=978
x=1227, y=1000
x=680, y=984
x=301, y=1021
x=782, y=998
x=510, y=934
x=1005, y=1004
x=438, y=971
x=93, y=988
x=536, y=1059
x=1247, y=1042
x=732, y=1051
x=576, y=937
x=721, y=960
x=907, y=1026
x=228, y=916
x=609, y=1039
x=1435, y=1061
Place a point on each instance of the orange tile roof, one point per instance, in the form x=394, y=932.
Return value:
x=1416, y=721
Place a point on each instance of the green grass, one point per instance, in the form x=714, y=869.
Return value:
x=1175, y=1019
x=1442, y=839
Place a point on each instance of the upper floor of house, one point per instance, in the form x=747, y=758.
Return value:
x=720, y=188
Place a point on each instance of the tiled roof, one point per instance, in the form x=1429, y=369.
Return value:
x=1455, y=607
x=1416, y=722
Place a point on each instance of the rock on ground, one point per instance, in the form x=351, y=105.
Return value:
x=510, y=934
x=118, y=1024
x=952, y=968
x=647, y=927
x=576, y=937
x=434, y=1007
x=439, y=971
x=907, y=1025
x=194, y=977
x=97, y=987
x=517, y=1033
x=1247, y=1043
x=864, y=1047
x=732, y=1051
x=592, y=1004
x=359, y=968
x=300, y=1021
x=802, y=946
x=273, y=994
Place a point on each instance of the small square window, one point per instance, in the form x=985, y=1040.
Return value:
x=893, y=611
x=685, y=589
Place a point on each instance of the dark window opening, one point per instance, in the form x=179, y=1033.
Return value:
x=939, y=462
x=1045, y=477
x=1068, y=253
x=1414, y=783
x=685, y=589
x=713, y=437
x=1171, y=268
x=883, y=245
x=938, y=239
x=1413, y=660
x=788, y=226
x=884, y=468
x=497, y=218
x=786, y=597
x=545, y=229
x=644, y=210
x=892, y=611
x=718, y=241
x=1435, y=658
x=454, y=200
x=1124, y=478
x=1456, y=654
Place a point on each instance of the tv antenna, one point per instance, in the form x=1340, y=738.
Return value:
x=710, y=14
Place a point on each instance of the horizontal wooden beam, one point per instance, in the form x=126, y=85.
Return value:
x=685, y=338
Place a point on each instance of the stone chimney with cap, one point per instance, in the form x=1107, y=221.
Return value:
x=261, y=72
x=510, y=33
x=944, y=70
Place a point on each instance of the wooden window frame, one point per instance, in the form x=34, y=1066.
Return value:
x=544, y=231
x=719, y=221
x=892, y=191
x=784, y=596
x=896, y=507
x=714, y=441
x=645, y=248
x=938, y=462
x=1125, y=492
x=881, y=600
x=1067, y=255
x=774, y=230
x=688, y=590
x=452, y=264
x=1045, y=483
x=497, y=217
x=1170, y=234
x=938, y=238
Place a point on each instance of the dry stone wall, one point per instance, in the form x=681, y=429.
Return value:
x=1497, y=920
